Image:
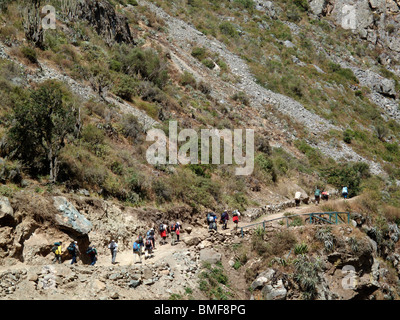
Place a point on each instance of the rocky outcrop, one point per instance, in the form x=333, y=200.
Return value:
x=69, y=218
x=101, y=15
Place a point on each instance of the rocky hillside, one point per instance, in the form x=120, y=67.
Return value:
x=318, y=82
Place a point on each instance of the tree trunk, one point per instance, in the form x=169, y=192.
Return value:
x=53, y=166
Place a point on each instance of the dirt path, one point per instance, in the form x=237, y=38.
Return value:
x=302, y=209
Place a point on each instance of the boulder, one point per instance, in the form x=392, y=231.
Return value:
x=209, y=255
x=274, y=291
x=70, y=218
x=192, y=241
x=6, y=212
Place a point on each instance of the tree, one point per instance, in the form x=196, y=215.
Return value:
x=41, y=122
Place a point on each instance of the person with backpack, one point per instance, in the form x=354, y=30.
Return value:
x=150, y=235
x=148, y=252
x=178, y=231
x=172, y=230
x=297, y=197
x=317, y=195
x=141, y=242
x=57, y=250
x=163, y=233
x=344, y=192
x=137, y=251
x=224, y=219
x=235, y=218
x=73, y=251
x=92, y=253
x=113, y=246
x=211, y=220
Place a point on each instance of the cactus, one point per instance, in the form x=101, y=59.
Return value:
x=33, y=24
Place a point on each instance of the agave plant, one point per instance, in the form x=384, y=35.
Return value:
x=325, y=235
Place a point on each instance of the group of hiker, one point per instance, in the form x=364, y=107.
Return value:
x=74, y=252
x=212, y=219
x=318, y=195
x=142, y=245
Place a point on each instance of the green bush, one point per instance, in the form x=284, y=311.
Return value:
x=92, y=135
x=188, y=79
x=348, y=135
x=30, y=54
x=228, y=29
x=199, y=53
x=302, y=4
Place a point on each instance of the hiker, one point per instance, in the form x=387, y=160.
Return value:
x=57, y=252
x=224, y=219
x=297, y=197
x=317, y=195
x=137, y=250
x=211, y=220
x=344, y=192
x=236, y=212
x=163, y=233
x=150, y=235
x=141, y=242
x=325, y=195
x=148, y=250
x=172, y=230
x=235, y=218
x=178, y=231
x=73, y=251
x=92, y=252
x=113, y=246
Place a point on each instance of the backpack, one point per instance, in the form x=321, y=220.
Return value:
x=224, y=216
x=173, y=227
x=148, y=243
x=161, y=228
x=140, y=239
x=71, y=248
x=54, y=249
x=90, y=250
x=136, y=247
x=317, y=192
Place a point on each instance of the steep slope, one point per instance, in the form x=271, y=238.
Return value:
x=323, y=101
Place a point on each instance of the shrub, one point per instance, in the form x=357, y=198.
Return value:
x=266, y=166
x=92, y=135
x=199, y=53
x=302, y=4
x=300, y=248
x=30, y=54
x=306, y=275
x=208, y=63
x=228, y=29
x=247, y=4
x=348, y=135
x=145, y=64
x=125, y=87
x=188, y=79
x=241, y=97
x=131, y=128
